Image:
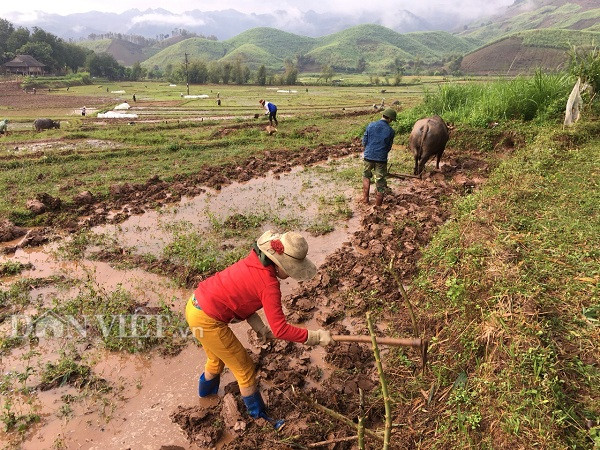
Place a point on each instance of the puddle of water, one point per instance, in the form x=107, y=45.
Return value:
x=288, y=196
x=146, y=287
x=152, y=387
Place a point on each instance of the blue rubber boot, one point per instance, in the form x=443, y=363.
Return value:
x=208, y=387
x=256, y=408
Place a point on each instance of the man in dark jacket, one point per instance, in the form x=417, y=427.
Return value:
x=377, y=140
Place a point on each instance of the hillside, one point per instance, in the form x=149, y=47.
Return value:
x=125, y=52
x=379, y=46
x=279, y=44
x=581, y=15
x=196, y=48
x=530, y=34
x=525, y=51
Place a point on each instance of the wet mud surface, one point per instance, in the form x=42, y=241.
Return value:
x=334, y=300
x=351, y=279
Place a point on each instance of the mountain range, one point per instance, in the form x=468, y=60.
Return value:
x=525, y=35
x=223, y=24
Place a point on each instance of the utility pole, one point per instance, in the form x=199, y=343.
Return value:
x=187, y=79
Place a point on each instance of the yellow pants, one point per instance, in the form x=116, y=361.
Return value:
x=222, y=347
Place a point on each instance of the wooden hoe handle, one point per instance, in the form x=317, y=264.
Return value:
x=397, y=342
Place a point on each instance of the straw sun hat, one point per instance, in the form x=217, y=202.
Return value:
x=288, y=251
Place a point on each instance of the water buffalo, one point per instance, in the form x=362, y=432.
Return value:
x=45, y=124
x=428, y=138
x=3, y=126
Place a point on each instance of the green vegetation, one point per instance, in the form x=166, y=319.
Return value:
x=200, y=254
x=54, y=52
x=561, y=39
x=586, y=65
x=114, y=319
x=518, y=267
x=381, y=48
x=13, y=267
x=14, y=421
x=541, y=97
x=509, y=289
x=568, y=16
x=179, y=148
x=75, y=79
x=513, y=284
x=68, y=371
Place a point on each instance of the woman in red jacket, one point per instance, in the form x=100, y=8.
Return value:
x=236, y=293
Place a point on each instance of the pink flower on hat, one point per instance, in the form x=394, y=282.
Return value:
x=277, y=245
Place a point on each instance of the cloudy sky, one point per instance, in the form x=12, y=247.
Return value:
x=292, y=16
x=467, y=8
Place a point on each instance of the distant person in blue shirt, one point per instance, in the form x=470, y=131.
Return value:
x=377, y=140
x=271, y=110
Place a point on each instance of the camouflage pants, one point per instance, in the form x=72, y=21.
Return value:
x=380, y=171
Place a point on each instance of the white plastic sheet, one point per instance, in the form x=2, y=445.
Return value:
x=117, y=115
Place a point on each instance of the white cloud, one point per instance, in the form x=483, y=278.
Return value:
x=465, y=7
x=176, y=19
x=24, y=18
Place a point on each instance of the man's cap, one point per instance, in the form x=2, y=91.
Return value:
x=390, y=113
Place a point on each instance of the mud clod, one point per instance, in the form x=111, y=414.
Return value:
x=9, y=231
x=202, y=426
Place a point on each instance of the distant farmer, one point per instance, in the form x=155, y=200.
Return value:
x=271, y=110
x=377, y=140
x=4, y=126
x=83, y=111
x=134, y=100
x=237, y=293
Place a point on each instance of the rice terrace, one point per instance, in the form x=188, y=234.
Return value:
x=463, y=302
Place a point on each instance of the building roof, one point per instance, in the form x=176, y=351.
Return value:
x=24, y=61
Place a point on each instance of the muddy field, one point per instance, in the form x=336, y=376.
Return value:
x=352, y=262
x=152, y=401
x=13, y=96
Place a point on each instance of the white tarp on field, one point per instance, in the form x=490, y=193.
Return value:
x=117, y=115
x=122, y=106
x=196, y=96
x=117, y=92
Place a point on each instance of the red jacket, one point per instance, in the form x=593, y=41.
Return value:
x=241, y=290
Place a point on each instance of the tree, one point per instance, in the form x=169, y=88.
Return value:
x=237, y=72
x=290, y=75
x=361, y=65
x=261, y=76
x=226, y=72
x=104, y=65
x=198, y=72
x=17, y=39
x=247, y=74
x=137, y=71
x=214, y=72
x=454, y=66
x=155, y=73
x=327, y=72
x=40, y=51
x=74, y=56
x=6, y=29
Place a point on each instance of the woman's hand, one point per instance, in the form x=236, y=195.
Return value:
x=320, y=337
x=263, y=332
